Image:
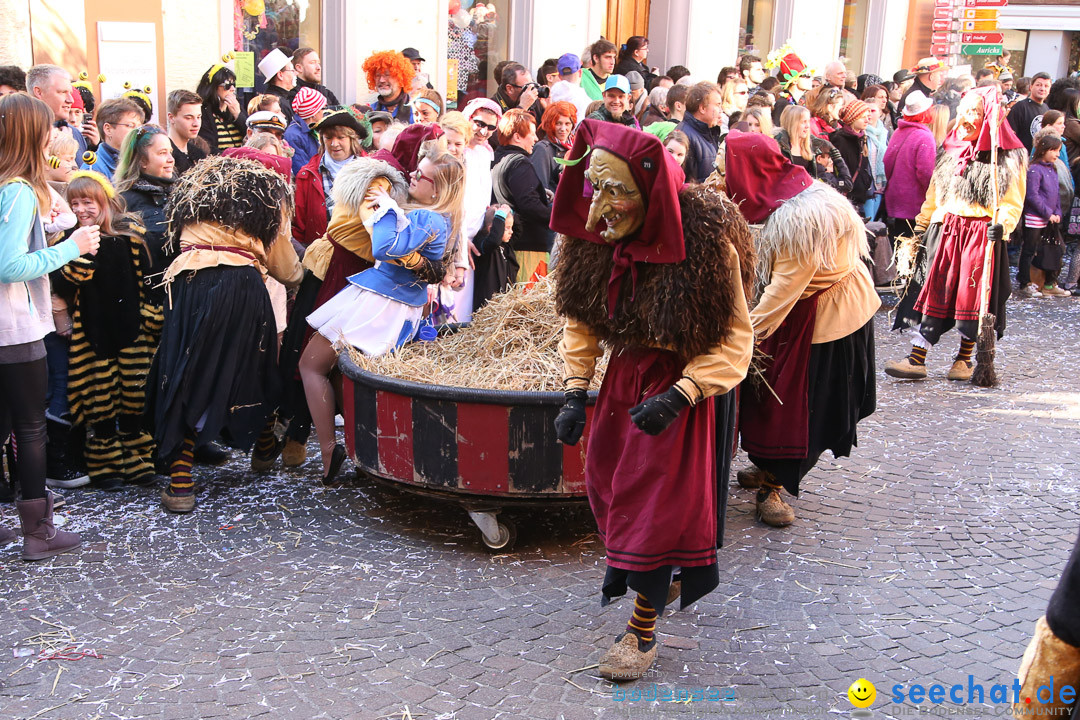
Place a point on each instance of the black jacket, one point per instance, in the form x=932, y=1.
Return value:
x=543, y=159
x=852, y=148
x=147, y=198
x=514, y=182
x=839, y=179
x=284, y=99
x=331, y=98
x=704, y=144
x=916, y=85
x=631, y=65
x=209, y=132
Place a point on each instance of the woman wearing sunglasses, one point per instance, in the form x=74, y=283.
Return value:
x=825, y=104
x=380, y=309
x=224, y=123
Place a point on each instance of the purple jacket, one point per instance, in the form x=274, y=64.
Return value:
x=909, y=165
x=1042, y=199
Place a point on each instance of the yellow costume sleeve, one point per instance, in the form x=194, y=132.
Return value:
x=788, y=281
x=579, y=350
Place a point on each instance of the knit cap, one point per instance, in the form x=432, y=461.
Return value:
x=852, y=111
x=308, y=102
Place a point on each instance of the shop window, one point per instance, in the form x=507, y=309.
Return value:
x=853, y=34
x=755, y=27
x=259, y=26
x=478, y=36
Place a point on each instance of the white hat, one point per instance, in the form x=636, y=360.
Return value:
x=272, y=64
x=916, y=104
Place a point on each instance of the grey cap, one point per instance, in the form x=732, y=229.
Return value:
x=636, y=81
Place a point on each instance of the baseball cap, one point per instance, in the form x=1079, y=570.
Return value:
x=568, y=64
x=412, y=54
x=617, y=82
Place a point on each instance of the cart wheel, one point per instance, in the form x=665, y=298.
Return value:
x=505, y=541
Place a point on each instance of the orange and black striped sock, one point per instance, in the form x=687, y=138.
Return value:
x=967, y=347
x=266, y=441
x=918, y=355
x=643, y=622
x=180, y=482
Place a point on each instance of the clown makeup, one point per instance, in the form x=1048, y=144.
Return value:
x=86, y=210
x=617, y=210
x=969, y=116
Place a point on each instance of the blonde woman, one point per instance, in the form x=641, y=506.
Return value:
x=818, y=157
x=381, y=308
x=760, y=120
x=940, y=124
x=733, y=97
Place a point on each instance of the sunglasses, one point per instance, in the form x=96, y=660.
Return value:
x=228, y=85
x=480, y=125
x=420, y=177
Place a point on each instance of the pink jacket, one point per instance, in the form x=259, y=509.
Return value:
x=909, y=165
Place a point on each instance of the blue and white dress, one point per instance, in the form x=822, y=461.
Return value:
x=381, y=308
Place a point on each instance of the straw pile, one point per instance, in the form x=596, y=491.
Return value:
x=512, y=344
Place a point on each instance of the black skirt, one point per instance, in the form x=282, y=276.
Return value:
x=697, y=582
x=841, y=390
x=215, y=374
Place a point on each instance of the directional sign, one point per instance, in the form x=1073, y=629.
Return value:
x=980, y=49
x=985, y=3
x=983, y=37
x=943, y=50
x=942, y=25
x=944, y=37
x=970, y=26
x=981, y=14
x=943, y=3
x=943, y=13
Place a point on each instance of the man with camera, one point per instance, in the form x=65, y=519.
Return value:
x=517, y=90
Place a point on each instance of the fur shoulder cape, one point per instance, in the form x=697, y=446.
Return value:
x=974, y=185
x=688, y=306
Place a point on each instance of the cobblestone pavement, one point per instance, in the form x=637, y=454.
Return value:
x=926, y=557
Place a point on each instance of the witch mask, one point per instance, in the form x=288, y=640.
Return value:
x=617, y=209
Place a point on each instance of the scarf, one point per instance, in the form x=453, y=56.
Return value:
x=877, y=140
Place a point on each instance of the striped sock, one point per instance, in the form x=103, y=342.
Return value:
x=643, y=622
x=967, y=347
x=918, y=355
x=180, y=482
x=266, y=440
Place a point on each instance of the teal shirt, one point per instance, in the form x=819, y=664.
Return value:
x=18, y=261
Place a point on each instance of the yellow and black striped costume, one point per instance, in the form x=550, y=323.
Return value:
x=114, y=335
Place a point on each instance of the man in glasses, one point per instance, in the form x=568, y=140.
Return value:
x=115, y=119
x=517, y=90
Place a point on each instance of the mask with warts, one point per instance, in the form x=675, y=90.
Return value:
x=617, y=210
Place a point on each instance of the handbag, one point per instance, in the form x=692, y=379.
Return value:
x=1051, y=251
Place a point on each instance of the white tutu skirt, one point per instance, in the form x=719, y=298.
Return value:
x=369, y=322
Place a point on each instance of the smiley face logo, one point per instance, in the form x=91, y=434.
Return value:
x=862, y=693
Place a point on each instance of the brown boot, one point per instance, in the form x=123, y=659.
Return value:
x=294, y=454
x=905, y=370
x=41, y=539
x=771, y=509
x=673, y=592
x=752, y=477
x=627, y=659
x=1049, y=661
x=961, y=370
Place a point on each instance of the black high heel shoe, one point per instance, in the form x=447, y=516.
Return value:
x=337, y=459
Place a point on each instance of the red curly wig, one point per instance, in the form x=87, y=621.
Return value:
x=392, y=63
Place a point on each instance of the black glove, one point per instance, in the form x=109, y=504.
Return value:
x=658, y=412
x=570, y=422
x=995, y=233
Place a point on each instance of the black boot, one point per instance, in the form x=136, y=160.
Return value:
x=60, y=472
x=211, y=454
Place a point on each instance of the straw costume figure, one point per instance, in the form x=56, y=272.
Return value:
x=657, y=271
x=215, y=373
x=963, y=273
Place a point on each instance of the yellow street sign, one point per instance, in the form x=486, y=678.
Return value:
x=978, y=26
x=981, y=14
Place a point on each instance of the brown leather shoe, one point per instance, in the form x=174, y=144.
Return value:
x=41, y=539
x=961, y=370
x=177, y=503
x=772, y=510
x=294, y=454
x=673, y=592
x=905, y=370
x=1048, y=661
x=627, y=660
x=752, y=477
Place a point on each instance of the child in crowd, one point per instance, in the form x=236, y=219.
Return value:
x=678, y=145
x=1042, y=217
x=496, y=265
x=113, y=336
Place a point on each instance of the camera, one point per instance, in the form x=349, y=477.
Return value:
x=542, y=91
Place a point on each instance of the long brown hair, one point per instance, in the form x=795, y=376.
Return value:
x=25, y=123
x=449, y=177
x=113, y=217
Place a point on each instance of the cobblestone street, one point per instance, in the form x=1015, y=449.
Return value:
x=924, y=558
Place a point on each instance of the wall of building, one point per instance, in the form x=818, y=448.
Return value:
x=813, y=29
x=15, y=47
x=713, y=38
x=188, y=53
x=564, y=26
